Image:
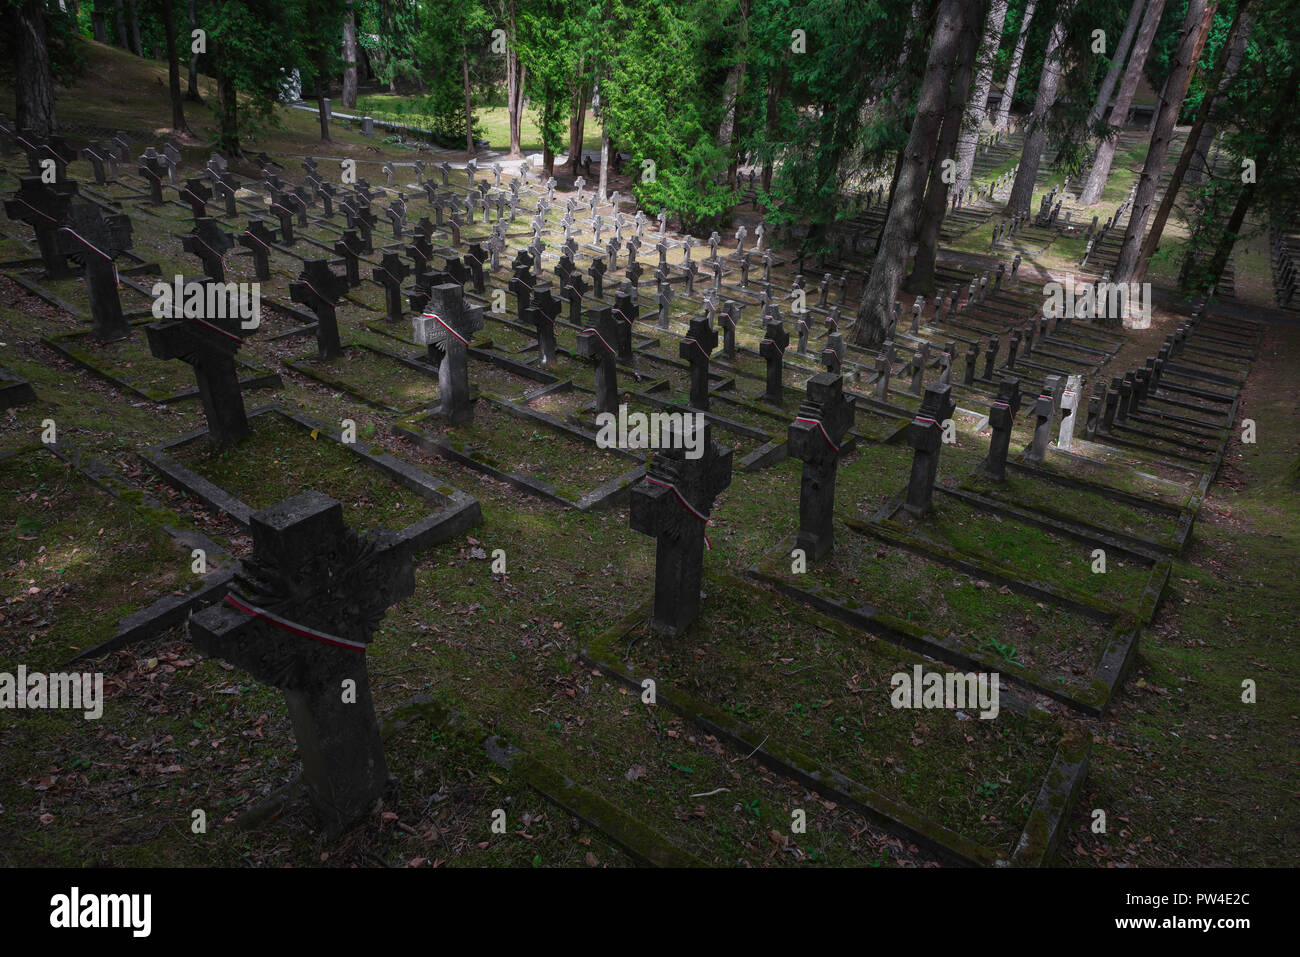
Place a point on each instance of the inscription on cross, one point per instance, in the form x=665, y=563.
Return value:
x=673, y=503
x=210, y=243
x=44, y=207
x=596, y=343
x=258, y=238
x=209, y=345
x=772, y=349
x=318, y=287
x=97, y=240
x=449, y=323
x=390, y=272
x=816, y=437
x=300, y=615
x=700, y=341
x=925, y=436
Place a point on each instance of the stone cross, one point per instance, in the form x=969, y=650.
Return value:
x=574, y=289
x=348, y=245
x=196, y=193
x=319, y=288
x=1002, y=417
x=925, y=436
x=541, y=313
x=597, y=273
x=816, y=437
x=258, y=238
x=596, y=342
x=521, y=283
x=664, y=300
x=97, y=240
x=390, y=272
x=449, y=323
x=626, y=311
x=1069, y=408
x=153, y=168
x=695, y=348
x=474, y=257
x=772, y=349
x=729, y=317
x=1044, y=414
x=301, y=612
x=44, y=207
x=673, y=503
x=281, y=208
x=210, y=243
x=209, y=344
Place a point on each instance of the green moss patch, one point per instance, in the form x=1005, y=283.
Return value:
x=382, y=380
x=280, y=459
x=821, y=690
x=75, y=560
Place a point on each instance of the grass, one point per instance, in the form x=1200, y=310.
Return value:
x=1197, y=776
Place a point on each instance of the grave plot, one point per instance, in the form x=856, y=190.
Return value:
x=753, y=447
x=809, y=697
x=531, y=450
x=1053, y=557
x=129, y=365
x=285, y=450
x=14, y=390
x=85, y=568
x=1059, y=648
x=380, y=379
x=1130, y=518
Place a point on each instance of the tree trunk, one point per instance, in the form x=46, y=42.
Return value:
x=470, y=151
x=1195, y=29
x=179, y=126
x=1022, y=190
x=119, y=24
x=349, y=96
x=968, y=139
x=192, y=92
x=887, y=270
x=134, y=19
x=936, y=197
x=1199, y=124
x=775, y=88
x=1201, y=155
x=228, y=100
x=726, y=128
x=1013, y=71
x=514, y=88
x=1105, y=154
x=33, y=79
x=1116, y=64
x=604, y=157
x=322, y=65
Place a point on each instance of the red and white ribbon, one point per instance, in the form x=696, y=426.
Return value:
x=820, y=428
x=294, y=629
x=439, y=321
x=89, y=245
x=256, y=240
x=926, y=420
x=608, y=348
x=685, y=504
x=697, y=346
x=779, y=350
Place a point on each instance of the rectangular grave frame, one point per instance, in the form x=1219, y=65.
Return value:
x=14, y=390
x=460, y=511
x=1184, y=516
x=301, y=366
x=170, y=609
x=64, y=343
x=605, y=495
x=1144, y=607
x=1038, y=840
x=1091, y=696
